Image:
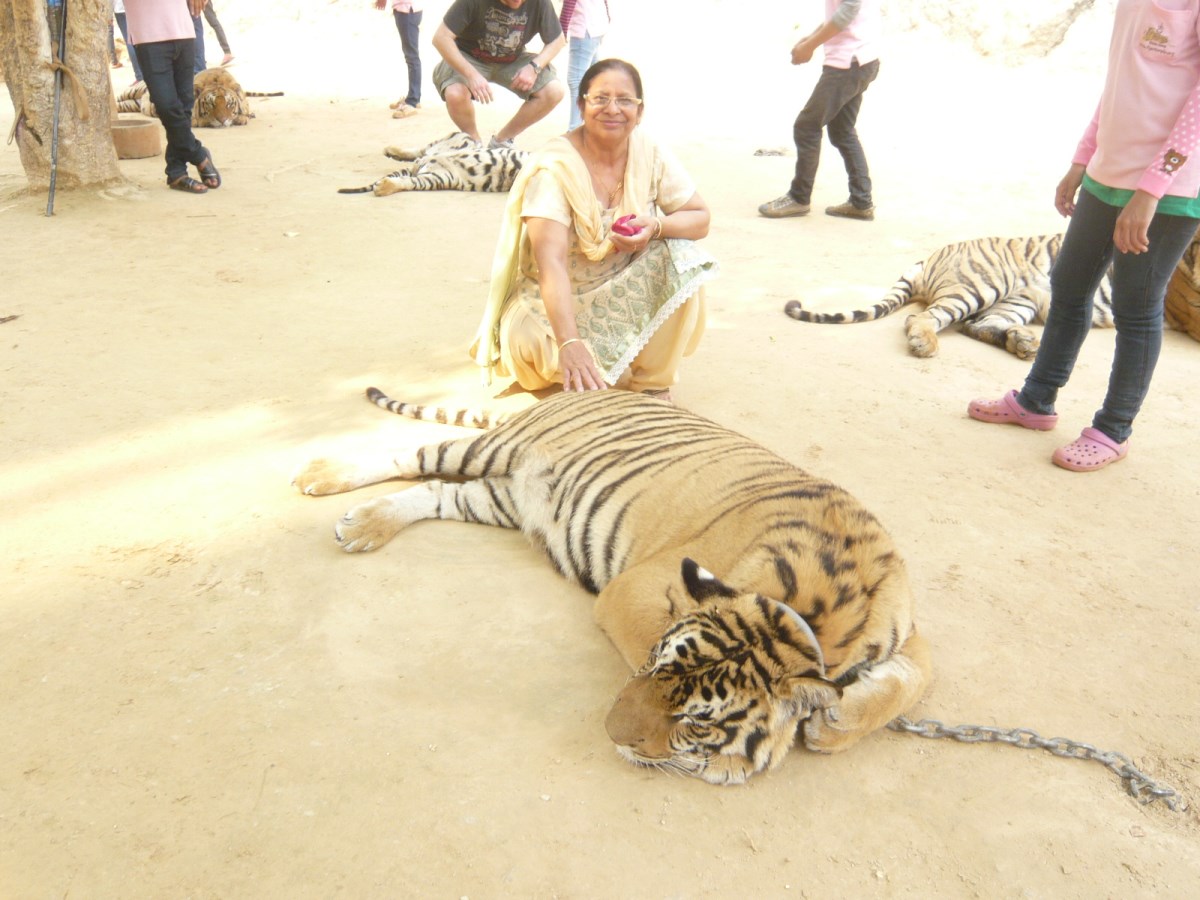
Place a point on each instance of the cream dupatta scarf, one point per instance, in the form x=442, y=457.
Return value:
x=561, y=158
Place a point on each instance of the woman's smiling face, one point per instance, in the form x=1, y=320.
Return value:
x=621, y=114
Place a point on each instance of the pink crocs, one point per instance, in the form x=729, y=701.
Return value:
x=1007, y=411
x=1092, y=450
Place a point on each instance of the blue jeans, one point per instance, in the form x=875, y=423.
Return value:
x=137, y=69
x=834, y=106
x=1139, y=285
x=409, y=26
x=198, y=64
x=167, y=67
x=582, y=53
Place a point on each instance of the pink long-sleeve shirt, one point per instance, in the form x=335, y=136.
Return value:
x=858, y=38
x=150, y=21
x=1146, y=130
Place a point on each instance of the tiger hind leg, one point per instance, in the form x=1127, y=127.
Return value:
x=370, y=525
x=393, y=184
x=944, y=310
x=1004, y=324
x=880, y=693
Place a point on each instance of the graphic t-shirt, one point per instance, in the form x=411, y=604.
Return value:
x=494, y=33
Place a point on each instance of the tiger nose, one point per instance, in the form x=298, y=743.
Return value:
x=639, y=720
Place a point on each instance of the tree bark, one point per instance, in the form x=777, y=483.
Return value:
x=28, y=56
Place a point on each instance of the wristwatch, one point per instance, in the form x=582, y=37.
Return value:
x=537, y=70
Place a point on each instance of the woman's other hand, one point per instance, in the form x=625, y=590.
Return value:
x=635, y=243
x=1132, y=232
x=1068, y=189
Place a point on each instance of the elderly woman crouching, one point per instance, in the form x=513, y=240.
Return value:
x=597, y=279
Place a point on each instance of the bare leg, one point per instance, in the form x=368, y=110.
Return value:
x=461, y=108
x=536, y=108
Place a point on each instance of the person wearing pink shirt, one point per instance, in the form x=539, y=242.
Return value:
x=849, y=36
x=164, y=39
x=408, y=15
x=1131, y=193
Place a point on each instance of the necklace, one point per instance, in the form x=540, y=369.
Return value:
x=615, y=191
x=612, y=195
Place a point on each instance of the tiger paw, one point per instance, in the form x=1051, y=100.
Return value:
x=392, y=184
x=368, y=526
x=329, y=476
x=922, y=337
x=1021, y=342
x=831, y=730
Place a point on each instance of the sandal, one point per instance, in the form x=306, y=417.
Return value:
x=208, y=173
x=188, y=184
x=1092, y=450
x=1007, y=411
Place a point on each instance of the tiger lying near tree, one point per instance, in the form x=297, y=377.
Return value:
x=220, y=101
x=806, y=633
x=993, y=286
x=457, y=162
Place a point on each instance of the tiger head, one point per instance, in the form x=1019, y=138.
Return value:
x=220, y=101
x=722, y=693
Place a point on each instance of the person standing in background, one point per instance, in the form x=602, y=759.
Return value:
x=408, y=14
x=119, y=14
x=210, y=16
x=164, y=40
x=584, y=22
x=849, y=36
x=198, y=63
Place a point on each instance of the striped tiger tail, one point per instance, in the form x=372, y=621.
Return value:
x=901, y=294
x=465, y=418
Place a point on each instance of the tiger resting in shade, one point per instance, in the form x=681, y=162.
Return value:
x=804, y=631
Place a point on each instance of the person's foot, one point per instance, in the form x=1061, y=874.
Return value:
x=208, y=173
x=228, y=58
x=188, y=185
x=403, y=111
x=496, y=144
x=1091, y=451
x=848, y=210
x=1007, y=411
x=782, y=207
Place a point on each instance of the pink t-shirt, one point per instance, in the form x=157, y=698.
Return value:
x=1146, y=130
x=158, y=20
x=858, y=40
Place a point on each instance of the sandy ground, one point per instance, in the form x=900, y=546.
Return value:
x=203, y=697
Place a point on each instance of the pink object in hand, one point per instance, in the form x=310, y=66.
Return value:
x=622, y=226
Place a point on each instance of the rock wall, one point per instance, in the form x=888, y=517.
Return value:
x=1010, y=29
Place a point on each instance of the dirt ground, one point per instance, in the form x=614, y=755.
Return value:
x=203, y=697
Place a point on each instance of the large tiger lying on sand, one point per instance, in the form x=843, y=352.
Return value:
x=993, y=287
x=804, y=631
x=456, y=162
x=220, y=101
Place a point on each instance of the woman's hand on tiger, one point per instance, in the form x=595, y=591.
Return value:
x=1068, y=189
x=1132, y=231
x=579, y=369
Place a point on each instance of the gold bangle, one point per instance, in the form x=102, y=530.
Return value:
x=570, y=341
x=658, y=229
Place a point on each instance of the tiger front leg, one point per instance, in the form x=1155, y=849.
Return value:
x=880, y=693
x=370, y=525
x=323, y=476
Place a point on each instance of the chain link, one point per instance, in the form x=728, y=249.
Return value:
x=1140, y=785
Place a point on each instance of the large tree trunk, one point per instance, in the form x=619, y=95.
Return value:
x=85, y=147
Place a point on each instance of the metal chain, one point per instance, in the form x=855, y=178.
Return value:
x=1141, y=786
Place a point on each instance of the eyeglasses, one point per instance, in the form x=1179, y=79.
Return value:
x=625, y=104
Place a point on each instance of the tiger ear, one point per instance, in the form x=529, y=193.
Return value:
x=703, y=584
